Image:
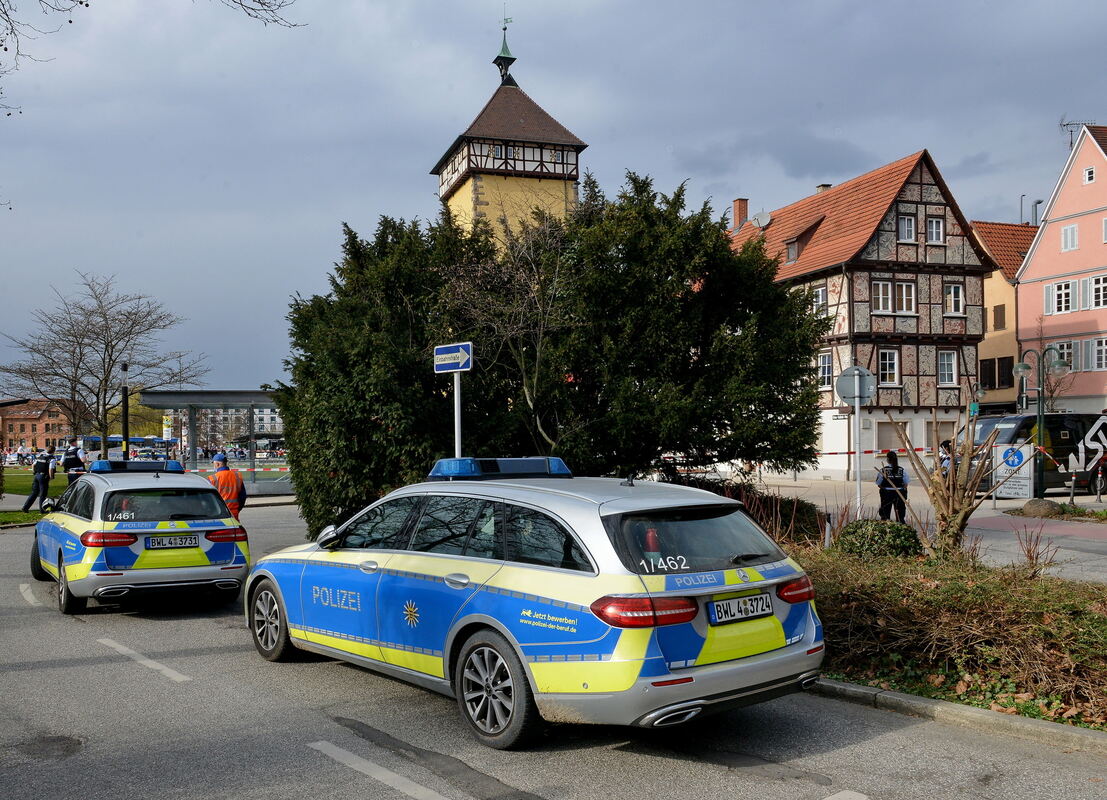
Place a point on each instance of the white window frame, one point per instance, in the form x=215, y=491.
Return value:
x=939, y=226
x=1068, y=351
x=883, y=291
x=791, y=251
x=497, y=151
x=1096, y=292
x=906, y=221
x=1062, y=291
x=1105, y=230
x=949, y=356
x=1089, y=175
x=819, y=301
x=906, y=294
x=1099, y=354
x=825, y=369
x=954, y=299
x=880, y=367
x=1070, y=238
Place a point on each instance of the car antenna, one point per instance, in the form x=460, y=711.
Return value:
x=629, y=481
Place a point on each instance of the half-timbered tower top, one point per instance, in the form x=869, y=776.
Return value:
x=512, y=138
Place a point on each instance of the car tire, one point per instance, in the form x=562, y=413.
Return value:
x=493, y=693
x=268, y=625
x=67, y=603
x=38, y=572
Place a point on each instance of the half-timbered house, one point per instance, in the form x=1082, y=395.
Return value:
x=891, y=258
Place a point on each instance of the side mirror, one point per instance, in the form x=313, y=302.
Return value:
x=48, y=506
x=327, y=538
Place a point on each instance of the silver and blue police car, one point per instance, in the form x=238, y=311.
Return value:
x=127, y=528
x=529, y=595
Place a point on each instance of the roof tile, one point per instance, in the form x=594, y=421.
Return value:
x=1007, y=242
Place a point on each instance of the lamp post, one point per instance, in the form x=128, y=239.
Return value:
x=1057, y=367
x=978, y=395
x=126, y=416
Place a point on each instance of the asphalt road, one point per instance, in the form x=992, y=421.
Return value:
x=171, y=701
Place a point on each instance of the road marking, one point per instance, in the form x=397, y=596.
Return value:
x=847, y=796
x=25, y=590
x=377, y=772
x=168, y=672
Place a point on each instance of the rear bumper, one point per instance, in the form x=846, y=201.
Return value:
x=131, y=583
x=716, y=687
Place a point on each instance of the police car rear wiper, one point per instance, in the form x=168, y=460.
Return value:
x=188, y=516
x=743, y=557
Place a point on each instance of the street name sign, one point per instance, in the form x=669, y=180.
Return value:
x=456, y=357
x=1020, y=462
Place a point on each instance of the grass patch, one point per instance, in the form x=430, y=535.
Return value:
x=13, y=517
x=19, y=484
x=998, y=638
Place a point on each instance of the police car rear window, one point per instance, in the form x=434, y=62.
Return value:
x=695, y=539
x=156, y=505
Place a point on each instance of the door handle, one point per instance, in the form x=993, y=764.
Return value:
x=368, y=566
x=455, y=580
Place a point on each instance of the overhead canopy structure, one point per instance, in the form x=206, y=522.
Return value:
x=190, y=400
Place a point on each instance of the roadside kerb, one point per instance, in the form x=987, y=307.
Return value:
x=981, y=719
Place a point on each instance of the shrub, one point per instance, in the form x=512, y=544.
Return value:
x=981, y=626
x=872, y=538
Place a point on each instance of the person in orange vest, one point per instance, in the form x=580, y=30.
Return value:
x=229, y=484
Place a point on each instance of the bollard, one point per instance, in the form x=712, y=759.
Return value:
x=826, y=534
x=1099, y=483
x=1072, y=490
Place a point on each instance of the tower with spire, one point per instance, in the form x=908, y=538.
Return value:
x=513, y=158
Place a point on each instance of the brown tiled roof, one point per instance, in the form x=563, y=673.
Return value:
x=1099, y=133
x=846, y=216
x=1007, y=242
x=511, y=115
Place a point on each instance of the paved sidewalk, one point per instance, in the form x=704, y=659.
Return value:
x=1081, y=546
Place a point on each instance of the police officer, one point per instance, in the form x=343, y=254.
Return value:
x=73, y=460
x=229, y=484
x=44, y=467
x=893, y=480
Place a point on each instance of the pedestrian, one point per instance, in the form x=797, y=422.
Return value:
x=945, y=455
x=892, y=480
x=230, y=485
x=73, y=460
x=43, y=469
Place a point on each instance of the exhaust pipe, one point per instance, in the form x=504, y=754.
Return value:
x=807, y=683
x=676, y=717
x=116, y=591
x=227, y=584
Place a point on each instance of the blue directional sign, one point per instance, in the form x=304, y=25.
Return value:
x=456, y=357
x=1012, y=457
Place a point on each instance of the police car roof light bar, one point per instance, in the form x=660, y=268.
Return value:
x=485, y=469
x=135, y=466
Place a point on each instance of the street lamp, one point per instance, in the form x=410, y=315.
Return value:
x=1058, y=367
x=126, y=416
x=978, y=395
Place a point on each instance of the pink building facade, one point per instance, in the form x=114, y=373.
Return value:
x=1062, y=284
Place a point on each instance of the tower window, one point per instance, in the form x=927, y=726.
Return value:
x=557, y=156
x=498, y=151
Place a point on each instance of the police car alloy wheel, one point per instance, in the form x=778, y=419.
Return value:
x=493, y=692
x=267, y=624
x=67, y=603
x=37, y=570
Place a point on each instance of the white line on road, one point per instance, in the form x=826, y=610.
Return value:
x=172, y=674
x=25, y=590
x=847, y=796
x=377, y=772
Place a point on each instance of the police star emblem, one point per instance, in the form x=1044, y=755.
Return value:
x=411, y=614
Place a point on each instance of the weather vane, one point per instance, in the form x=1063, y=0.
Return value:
x=507, y=19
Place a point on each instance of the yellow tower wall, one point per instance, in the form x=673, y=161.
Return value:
x=510, y=198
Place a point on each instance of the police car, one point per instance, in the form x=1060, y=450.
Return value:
x=126, y=528
x=529, y=595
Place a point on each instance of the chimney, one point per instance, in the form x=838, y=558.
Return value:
x=741, y=211
x=822, y=187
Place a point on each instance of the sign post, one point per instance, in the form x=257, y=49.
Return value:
x=456, y=358
x=1017, y=460
x=856, y=385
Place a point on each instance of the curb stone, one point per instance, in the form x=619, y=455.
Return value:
x=981, y=719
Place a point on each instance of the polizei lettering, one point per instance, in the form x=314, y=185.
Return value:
x=336, y=598
x=681, y=581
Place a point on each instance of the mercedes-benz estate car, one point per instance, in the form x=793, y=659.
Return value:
x=528, y=595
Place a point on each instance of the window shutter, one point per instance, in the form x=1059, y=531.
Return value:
x=1048, y=293
x=1085, y=293
x=1075, y=356
x=1089, y=354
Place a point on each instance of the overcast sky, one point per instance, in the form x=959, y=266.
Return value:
x=210, y=161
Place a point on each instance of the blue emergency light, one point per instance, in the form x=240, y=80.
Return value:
x=486, y=469
x=136, y=466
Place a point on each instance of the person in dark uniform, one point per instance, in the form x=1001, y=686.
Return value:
x=892, y=480
x=73, y=460
x=43, y=468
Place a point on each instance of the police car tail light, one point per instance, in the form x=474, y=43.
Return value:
x=226, y=535
x=645, y=612
x=796, y=591
x=107, y=539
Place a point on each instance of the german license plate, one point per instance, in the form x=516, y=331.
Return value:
x=160, y=542
x=735, y=609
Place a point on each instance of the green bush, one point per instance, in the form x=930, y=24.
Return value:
x=873, y=538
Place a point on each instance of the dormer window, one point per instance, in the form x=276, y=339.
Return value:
x=792, y=251
x=1089, y=174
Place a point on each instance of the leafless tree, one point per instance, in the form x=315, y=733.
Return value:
x=17, y=28
x=75, y=351
x=1056, y=386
